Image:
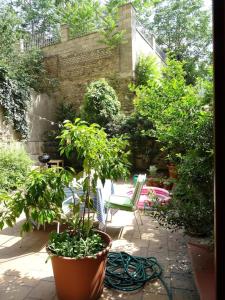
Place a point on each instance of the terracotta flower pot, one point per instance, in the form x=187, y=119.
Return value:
x=151, y=181
x=81, y=279
x=202, y=260
x=172, y=171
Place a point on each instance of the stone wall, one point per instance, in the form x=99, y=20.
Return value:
x=75, y=63
x=41, y=113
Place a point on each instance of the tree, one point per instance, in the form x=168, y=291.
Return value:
x=9, y=34
x=81, y=16
x=182, y=118
x=182, y=28
x=140, y=5
x=38, y=15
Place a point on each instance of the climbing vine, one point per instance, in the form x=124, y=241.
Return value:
x=16, y=82
x=14, y=99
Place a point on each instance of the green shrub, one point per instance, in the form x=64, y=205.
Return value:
x=101, y=103
x=65, y=111
x=142, y=144
x=146, y=69
x=182, y=121
x=14, y=166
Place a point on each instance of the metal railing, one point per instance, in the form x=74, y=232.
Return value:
x=39, y=41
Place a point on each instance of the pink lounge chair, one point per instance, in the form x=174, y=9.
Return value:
x=162, y=194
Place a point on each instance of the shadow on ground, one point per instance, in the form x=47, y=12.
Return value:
x=13, y=285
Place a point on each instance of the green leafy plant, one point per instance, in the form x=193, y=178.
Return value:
x=101, y=104
x=42, y=194
x=168, y=183
x=68, y=244
x=15, y=164
x=16, y=82
x=182, y=121
x=14, y=99
x=40, y=198
x=142, y=145
x=102, y=158
x=146, y=69
x=110, y=35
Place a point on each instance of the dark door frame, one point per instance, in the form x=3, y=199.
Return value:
x=219, y=133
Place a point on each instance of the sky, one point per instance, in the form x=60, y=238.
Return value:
x=208, y=3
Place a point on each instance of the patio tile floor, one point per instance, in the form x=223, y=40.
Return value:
x=24, y=275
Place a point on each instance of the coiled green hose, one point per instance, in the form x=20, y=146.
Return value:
x=127, y=273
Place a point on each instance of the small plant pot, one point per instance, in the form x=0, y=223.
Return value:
x=81, y=279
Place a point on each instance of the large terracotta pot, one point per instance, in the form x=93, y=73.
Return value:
x=81, y=279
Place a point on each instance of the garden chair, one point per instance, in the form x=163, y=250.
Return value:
x=122, y=202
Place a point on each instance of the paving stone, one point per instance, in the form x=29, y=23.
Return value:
x=158, y=246
x=8, y=281
x=14, y=292
x=150, y=296
x=182, y=281
x=43, y=290
x=180, y=294
x=109, y=294
x=154, y=287
x=7, y=241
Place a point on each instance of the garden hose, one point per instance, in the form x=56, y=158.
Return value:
x=128, y=273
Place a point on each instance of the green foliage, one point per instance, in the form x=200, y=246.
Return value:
x=140, y=5
x=102, y=158
x=152, y=171
x=37, y=16
x=110, y=34
x=146, y=69
x=30, y=71
x=9, y=33
x=68, y=244
x=65, y=111
x=14, y=166
x=170, y=104
x=14, y=99
x=40, y=198
x=101, y=104
x=182, y=121
x=81, y=16
x=191, y=207
x=138, y=131
x=18, y=72
x=107, y=157
x=183, y=28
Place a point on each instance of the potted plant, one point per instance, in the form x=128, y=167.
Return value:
x=79, y=253
x=102, y=158
x=172, y=169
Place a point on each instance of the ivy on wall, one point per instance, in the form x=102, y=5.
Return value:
x=16, y=82
x=14, y=99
